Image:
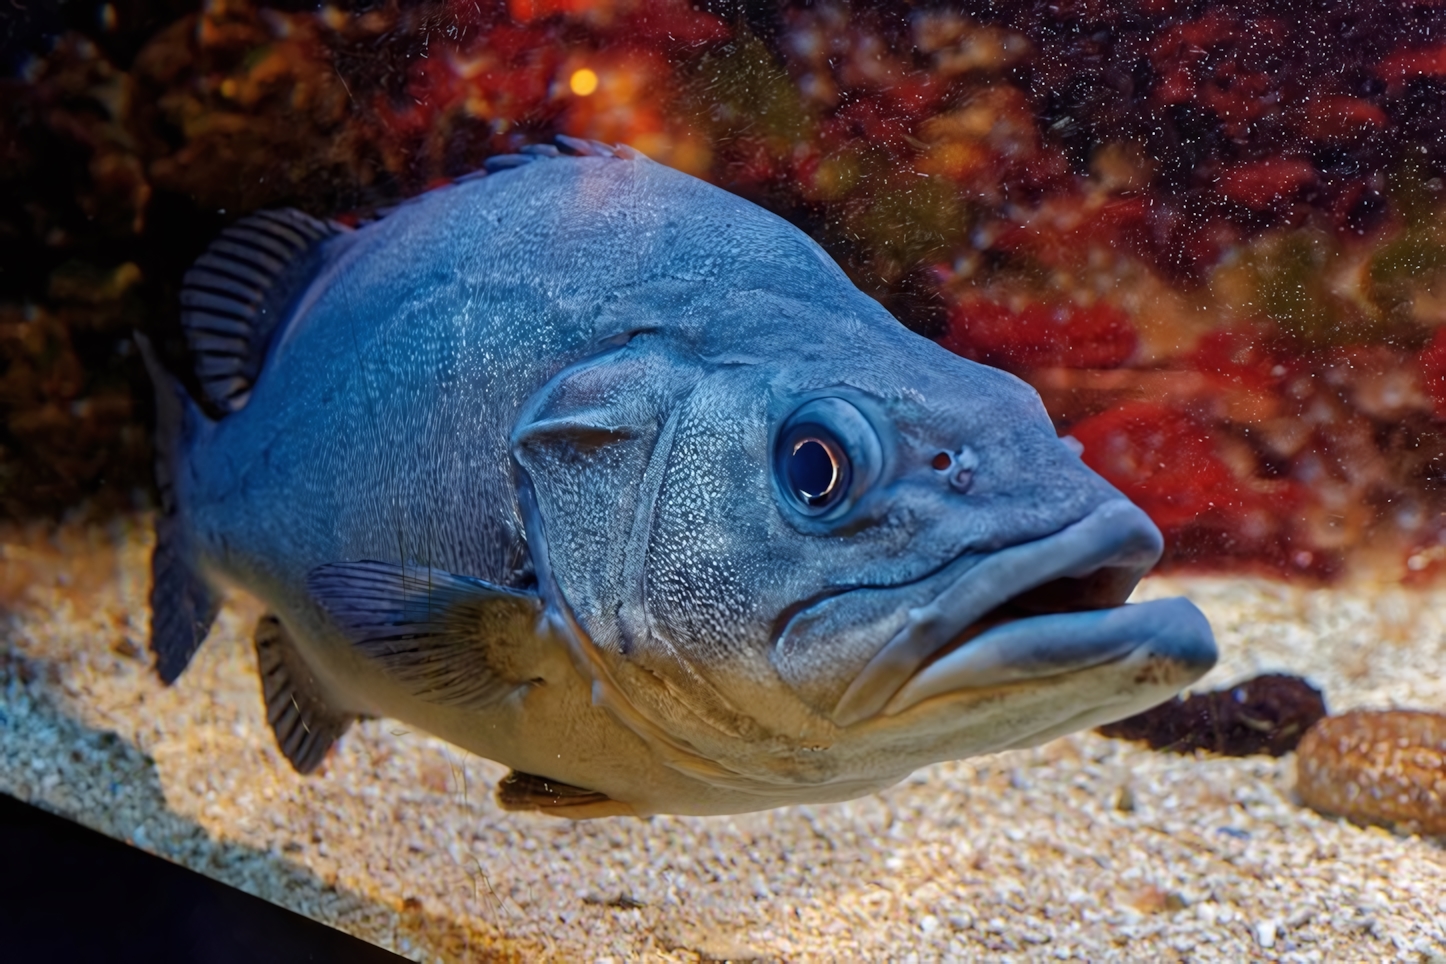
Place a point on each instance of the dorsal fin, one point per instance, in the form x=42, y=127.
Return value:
x=564, y=147
x=236, y=294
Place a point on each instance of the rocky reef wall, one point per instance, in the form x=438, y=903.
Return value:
x=1209, y=233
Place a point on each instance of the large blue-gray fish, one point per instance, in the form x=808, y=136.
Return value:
x=601, y=472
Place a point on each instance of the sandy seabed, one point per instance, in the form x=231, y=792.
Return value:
x=1085, y=848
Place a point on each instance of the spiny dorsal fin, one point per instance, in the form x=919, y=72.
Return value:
x=236, y=294
x=446, y=638
x=528, y=791
x=305, y=724
x=564, y=147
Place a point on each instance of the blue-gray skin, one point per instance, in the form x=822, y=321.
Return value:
x=601, y=472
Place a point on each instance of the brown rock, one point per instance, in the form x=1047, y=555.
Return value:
x=1267, y=714
x=1377, y=767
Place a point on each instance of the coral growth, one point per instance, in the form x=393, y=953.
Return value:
x=1209, y=234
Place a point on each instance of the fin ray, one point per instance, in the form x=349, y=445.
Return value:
x=528, y=791
x=444, y=637
x=183, y=605
x=238, y=291
x=306, y=725
x=562, y=146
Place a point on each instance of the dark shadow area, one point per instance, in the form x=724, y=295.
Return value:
x=136, y=906
x=72, y=893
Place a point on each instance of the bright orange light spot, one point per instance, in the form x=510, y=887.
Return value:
x=583, y=82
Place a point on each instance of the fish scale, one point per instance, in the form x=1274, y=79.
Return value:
x=508, y=465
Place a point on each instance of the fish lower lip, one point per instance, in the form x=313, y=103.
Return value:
x=1040, y=647
x=1116, y=538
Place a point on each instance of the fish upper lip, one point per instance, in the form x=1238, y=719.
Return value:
x=1116, y=535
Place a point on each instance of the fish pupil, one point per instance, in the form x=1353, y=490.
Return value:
x=813, y=471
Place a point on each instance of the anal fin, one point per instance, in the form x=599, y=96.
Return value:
x=528, y=791
x=305, y=724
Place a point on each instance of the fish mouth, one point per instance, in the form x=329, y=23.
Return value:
x=1037, y=610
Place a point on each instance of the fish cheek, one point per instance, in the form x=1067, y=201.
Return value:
x=621, y=523
x=715, y=572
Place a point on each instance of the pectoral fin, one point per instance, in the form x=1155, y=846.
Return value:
x=305, y=724
x=527, y=791
x=448, y=639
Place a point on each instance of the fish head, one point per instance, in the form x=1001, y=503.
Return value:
x=832, y=564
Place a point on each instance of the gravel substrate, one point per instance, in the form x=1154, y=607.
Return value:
x=1083, y=849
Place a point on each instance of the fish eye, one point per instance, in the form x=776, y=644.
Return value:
x=827, y=455
x=818, y=468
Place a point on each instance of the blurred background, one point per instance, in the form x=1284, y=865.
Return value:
x=1208, y=233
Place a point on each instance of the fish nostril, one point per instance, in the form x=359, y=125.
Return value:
x=958, y=467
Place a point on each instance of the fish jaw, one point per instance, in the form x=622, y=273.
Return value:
x=1171, y=636
x=969, y=721
x=1046, y=608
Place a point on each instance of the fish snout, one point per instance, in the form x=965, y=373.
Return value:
x=1087, y=567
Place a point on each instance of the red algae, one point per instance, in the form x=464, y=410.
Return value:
x=1377, y=767
x=1172, y=465
x=1210, y=235
x=1041, y=335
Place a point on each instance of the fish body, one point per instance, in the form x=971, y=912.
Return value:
x=601, y=472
